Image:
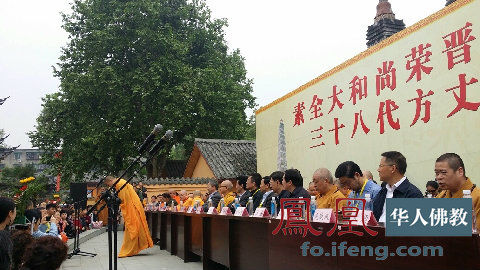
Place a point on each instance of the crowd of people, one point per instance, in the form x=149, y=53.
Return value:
x=26, y=247
x=347, y=181
x=48, y=227
x=37, y=246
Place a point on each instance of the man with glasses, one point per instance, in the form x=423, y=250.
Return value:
x=432, y=189
x=50, y=210
x=391, y=171
x=213, y=194
x=226, y=190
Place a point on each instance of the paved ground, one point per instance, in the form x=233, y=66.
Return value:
x=152, y=258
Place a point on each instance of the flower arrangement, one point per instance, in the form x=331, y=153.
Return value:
x=28, y=191
x=26, y=180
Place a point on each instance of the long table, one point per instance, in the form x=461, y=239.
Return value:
x=243, y=243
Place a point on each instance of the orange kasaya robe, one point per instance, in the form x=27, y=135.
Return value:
x=136, y=236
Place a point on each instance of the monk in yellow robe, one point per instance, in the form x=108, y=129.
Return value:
x=451, y=178
x=137, y=236
x=328, y=193
x=196, y=200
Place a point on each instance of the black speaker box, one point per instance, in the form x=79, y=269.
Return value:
x=78, y=193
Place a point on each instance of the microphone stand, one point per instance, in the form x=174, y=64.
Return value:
x=113, y=203
x=76, y=241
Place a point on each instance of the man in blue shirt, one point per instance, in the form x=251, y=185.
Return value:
x=351, y=176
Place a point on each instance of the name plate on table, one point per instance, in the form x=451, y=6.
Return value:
x=226, y=211
x=190, y=209
x=368, y=216
x=241, y=212
x=261, y=212
x=212, y=211
x=199, y=210
x=182, y=209
x=324, y=215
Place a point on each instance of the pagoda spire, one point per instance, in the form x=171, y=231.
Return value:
x=385, y=24
x=282, y=148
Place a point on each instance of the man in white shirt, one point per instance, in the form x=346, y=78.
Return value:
x=391, y=171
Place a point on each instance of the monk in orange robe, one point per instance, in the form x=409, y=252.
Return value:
x=137, y=236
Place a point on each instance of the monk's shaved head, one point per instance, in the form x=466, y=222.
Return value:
x=110, y=180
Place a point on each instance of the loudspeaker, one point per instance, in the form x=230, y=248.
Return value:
x=78, y=193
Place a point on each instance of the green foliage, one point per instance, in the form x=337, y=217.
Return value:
x=178, y=152
x=2, y=133
x=10, y=185
x=36, y=189
x=130, y=65
x=12, y=175
x=251, y=129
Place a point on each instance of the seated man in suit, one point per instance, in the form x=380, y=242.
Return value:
x=451, y=177
x=213, y=195
x=391, y=171
x=276, y=179
x=293, y=183
x=267, y=193
x=242, y=192
x=253, y=185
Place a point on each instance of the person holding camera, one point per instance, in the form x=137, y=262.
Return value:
x=40, y=226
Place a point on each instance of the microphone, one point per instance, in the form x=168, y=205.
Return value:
x=168, y=135
x=150, y=138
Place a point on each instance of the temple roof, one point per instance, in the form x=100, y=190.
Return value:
x=226, y=158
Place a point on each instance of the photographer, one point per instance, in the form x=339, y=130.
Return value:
x=38, y=221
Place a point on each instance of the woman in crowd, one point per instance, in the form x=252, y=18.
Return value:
x=21, y=240
x=45, y=253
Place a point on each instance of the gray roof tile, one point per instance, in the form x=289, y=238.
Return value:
x=229, y=158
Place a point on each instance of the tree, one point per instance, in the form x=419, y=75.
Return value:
x=23, y=193
x=4, y=150
x=130, y=65
x=2, y=133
